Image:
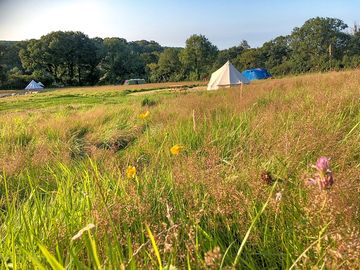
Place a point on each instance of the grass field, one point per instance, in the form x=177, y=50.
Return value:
x=68, y=199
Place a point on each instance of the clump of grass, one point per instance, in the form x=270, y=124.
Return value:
x=118, y=142
x=76, y=142
x=149, y=102
x=23, y=139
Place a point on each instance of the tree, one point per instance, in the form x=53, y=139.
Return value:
x=10, y=60
x=144, y=46
x=147, y=53
x=119, y=62
x=276, y=54
x=317, y=42
x=67, y=56
x=354, y=44
x=168, y=67
x=230, y=54
x=2, y=69
x=251, y=58
x=9, y=54
x=352, y=57
x=86, y=58
x=198, y=57
x=3, y=76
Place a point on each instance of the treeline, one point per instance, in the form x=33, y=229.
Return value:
x=73, y=59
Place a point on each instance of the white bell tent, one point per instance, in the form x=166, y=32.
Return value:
x=226, y=76
x=34, y=86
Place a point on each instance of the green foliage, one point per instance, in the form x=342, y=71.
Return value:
x=250, y=58
x=354, y=45
x=3, y=75
x=317, y=42
x=10, y=63
x=276, y=55
x=118, y=63
x=9, y=54
x=198, y=57
x=168, y=68
x=67, y=56
x=148, y=101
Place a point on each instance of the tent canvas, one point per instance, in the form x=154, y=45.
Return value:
x=226, y=76
x=256, y=74
x=134, y=81
x=33, y=86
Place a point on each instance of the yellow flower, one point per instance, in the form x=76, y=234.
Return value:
x=176, y=149
x=131, y=171
x=144, y=115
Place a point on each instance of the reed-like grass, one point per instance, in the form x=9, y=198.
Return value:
x=66, y=201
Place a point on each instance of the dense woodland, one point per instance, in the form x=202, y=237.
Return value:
x=73, y=59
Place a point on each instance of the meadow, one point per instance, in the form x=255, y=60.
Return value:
x=100, y=178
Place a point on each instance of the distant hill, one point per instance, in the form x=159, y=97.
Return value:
x=7, y=42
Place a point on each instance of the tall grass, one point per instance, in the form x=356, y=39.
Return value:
x=64, y=167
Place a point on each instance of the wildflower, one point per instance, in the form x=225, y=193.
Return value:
x=131, y=171
x=278, y=196
x=176, y=149
x=144, y=115
x=323, y=165
x=80, y=233
x=323, y=177
x=266, y=177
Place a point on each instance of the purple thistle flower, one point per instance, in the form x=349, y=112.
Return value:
x=324, y=177
x=323, y=164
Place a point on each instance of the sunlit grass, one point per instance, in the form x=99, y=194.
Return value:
x=93, y=178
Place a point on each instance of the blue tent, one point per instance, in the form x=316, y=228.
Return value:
x=256, y=74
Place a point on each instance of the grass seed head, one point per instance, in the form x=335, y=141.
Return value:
x=81, y=232
x=212, y=258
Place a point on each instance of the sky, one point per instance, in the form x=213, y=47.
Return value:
x=225, y=23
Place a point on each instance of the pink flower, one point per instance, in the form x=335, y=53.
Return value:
x=323, y=164
x=324, y=177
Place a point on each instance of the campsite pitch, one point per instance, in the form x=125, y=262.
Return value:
x=98, y=178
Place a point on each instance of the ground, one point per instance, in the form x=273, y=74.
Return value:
x=182, y=178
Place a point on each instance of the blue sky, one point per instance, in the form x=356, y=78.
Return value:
x=169, y=22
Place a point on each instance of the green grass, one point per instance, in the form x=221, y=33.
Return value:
x=64, y=154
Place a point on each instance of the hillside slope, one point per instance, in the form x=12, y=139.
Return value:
x=233, y=193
